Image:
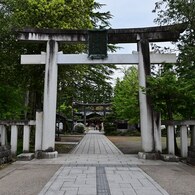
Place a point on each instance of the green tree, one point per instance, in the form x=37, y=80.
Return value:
x=125, y=100
x=69, y=14
x=166, y=92
x=90, y=86
x=177, y=81
x=11, y=102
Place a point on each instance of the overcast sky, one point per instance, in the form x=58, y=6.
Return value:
x=129, y=14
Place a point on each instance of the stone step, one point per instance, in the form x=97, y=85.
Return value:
x=25, y=156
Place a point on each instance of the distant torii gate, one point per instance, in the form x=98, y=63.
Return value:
x=104, y=105
x=52, y=58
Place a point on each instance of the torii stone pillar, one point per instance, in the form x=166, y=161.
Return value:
x=50, y=97
x=149, y=120
x=84, y=117
x=145, y=107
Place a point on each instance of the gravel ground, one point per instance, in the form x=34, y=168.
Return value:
x=128, y=145
x=29, y=179
x=25, y=179
x=175, y=179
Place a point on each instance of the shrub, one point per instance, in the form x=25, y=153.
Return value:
x=109, y=128
x=109, y=124
x=79, y=128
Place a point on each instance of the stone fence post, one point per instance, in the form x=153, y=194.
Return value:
x=14, y=139
x=39, y=131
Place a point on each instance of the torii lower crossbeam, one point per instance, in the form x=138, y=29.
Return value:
x=111, y=59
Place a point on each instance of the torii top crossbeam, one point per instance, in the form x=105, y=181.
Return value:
x=129, y=35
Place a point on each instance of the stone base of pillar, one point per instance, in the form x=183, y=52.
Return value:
x=169, y=158
x=26, y=156
x=149, y=155
x=45, y=155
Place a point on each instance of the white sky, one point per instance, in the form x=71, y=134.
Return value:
x=129, y=14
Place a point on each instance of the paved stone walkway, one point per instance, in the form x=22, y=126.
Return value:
x=97, y=167
x=96, y=143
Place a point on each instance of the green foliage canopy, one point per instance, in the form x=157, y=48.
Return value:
x=172, y=87
x=125, y=100
x=58, y=14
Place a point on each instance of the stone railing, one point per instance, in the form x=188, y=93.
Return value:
x=27, y=126
x=184, y=127
x=14, y=125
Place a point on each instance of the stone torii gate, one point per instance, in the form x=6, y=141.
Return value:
x=95, y=105
x=52, y=58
